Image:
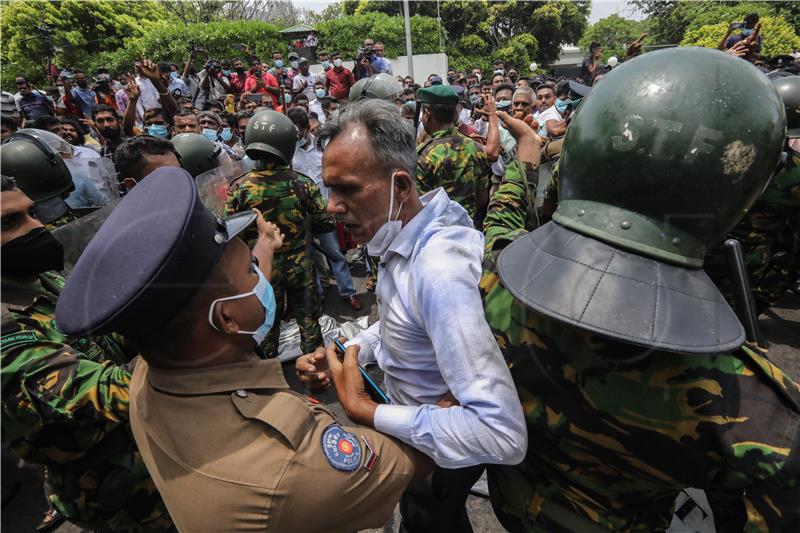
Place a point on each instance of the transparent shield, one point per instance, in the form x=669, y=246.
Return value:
x=95, y=181
x=213, y=186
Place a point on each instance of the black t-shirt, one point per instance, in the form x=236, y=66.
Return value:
x=586, y=74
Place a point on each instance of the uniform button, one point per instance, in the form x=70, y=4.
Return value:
x=241, y=393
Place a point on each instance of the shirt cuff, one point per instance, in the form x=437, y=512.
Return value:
x=396, y=420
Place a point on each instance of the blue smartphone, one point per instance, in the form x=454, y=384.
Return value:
x=372, y=388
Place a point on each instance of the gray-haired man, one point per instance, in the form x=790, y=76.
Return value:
x=432, y=339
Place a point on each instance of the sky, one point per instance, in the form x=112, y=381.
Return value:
x=600, y=8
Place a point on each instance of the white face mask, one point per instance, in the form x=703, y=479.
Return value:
x=379, y=244
x=337, y=63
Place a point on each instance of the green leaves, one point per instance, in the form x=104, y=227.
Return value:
x=613, y=33
x=778, y=36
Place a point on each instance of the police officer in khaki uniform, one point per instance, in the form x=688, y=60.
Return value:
x=228, y=444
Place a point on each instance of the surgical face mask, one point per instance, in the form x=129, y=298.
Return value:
x=746, y=32
x=287, y=97
x=301, y=142
x=325, y=64
x=294, y=64
x=379, y=244
x=174, y=74
x=226, y=134
x=503, y=104
x=337, y=63
x=226, y=72
x=35, y=252
x=562, y=105
x=210, y=134
x=279, y=63
x=262, y=291
x=320, y=93
x=158, y=130
x=475, y=99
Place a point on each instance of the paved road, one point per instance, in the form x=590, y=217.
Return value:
x=780, y=326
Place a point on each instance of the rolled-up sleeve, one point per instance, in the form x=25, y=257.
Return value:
x=488, y=426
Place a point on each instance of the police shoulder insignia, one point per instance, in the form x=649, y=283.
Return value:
x=16, y=338
x=342, y=449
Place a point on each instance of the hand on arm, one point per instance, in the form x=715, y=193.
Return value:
x=270, y=239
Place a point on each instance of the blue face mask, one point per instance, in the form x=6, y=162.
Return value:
x=262, y=291
x=287, y=97
x=325, y=64
x=320, y=93
x=158, y=130
x=279, y=63
x=294, y=64
x=226, y=134
x=562, y=105
x=210, y=134
x=174, y=74
x=226, y=72
x=411, y=104
x=746, y=32
x=503, y=104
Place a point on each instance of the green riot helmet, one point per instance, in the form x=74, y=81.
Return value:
x=666, y=154
x=378, y=86
x=34, y=158
x=789, y=90
x=270, y=133
x=196, y=153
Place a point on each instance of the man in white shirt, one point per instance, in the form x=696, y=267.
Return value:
x=307, y=161
x=432, y=340
x=304, y=80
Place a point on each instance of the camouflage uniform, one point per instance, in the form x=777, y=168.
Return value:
x=614, y=436
x=64, y=219
x=294, y=203
x=450, y=160
x=769, y=229
x=65, y=405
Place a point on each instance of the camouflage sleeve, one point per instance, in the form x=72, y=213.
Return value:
x=47, y=382
x=507, y=216
x=426, y=171
x=482, y=167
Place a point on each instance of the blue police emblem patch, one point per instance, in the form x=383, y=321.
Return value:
x=341, y=449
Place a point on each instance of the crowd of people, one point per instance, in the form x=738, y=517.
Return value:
x=536, y=245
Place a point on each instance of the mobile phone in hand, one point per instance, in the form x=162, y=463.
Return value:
x=372, y=388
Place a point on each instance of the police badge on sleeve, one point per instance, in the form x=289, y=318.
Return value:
x=341, y=448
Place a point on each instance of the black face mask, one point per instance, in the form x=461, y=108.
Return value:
x=240, y=70
x=31, y=254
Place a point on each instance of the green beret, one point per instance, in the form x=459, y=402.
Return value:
x=438, y=94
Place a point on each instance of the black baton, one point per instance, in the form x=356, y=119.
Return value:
x=745, y=306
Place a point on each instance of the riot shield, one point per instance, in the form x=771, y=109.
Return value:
x=213, y=186
x=95, y=182
x=75, y=236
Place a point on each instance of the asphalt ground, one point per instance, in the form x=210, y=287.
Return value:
x=780, y=327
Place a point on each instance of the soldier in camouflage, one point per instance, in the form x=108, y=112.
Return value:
x=449, y=159
x=630, y=366
x=770, y=231
x=294, y=203
x=65, y=399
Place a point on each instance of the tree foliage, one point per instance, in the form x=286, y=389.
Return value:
x=668, y=21
x=346, y=34
x=778, y=36
x=81, y=29
x=613, y=33
x=536, y=29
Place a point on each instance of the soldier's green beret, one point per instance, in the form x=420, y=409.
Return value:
x=438, y=94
